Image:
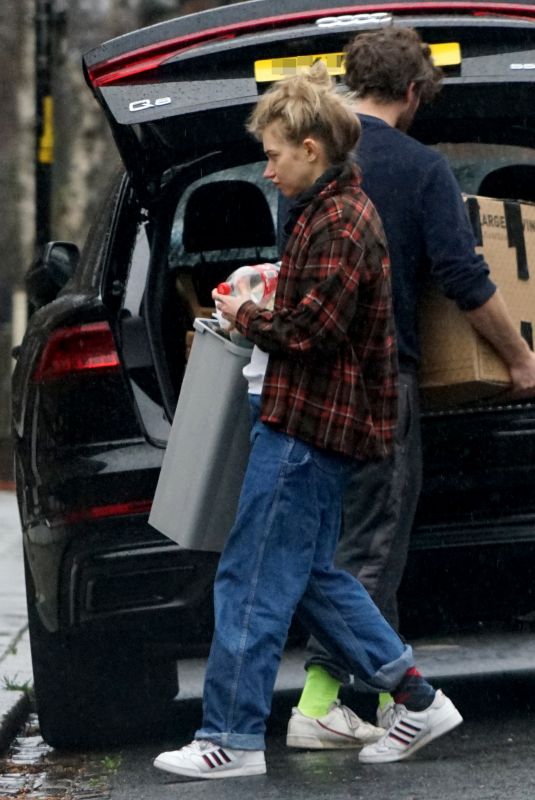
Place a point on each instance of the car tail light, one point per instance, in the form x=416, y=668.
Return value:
x=78, y=349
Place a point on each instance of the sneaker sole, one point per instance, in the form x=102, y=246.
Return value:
x=447, y=724
x=314, y=743
x=253, y=769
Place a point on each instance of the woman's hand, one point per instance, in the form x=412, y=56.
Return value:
x=228, y=304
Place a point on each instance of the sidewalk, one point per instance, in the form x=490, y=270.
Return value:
x=15, y=659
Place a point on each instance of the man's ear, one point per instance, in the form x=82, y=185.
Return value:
x=413, y=93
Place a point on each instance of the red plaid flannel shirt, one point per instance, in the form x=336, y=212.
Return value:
x=331, y=378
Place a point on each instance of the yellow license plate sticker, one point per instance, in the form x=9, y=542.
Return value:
x=447, y=54
x=274, y=69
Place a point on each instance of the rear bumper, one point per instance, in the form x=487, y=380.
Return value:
x=120, y=574
x=507, y=530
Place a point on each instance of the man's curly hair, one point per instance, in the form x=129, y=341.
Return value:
x=383, y=63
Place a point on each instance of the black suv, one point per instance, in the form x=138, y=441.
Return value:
x=112, y=604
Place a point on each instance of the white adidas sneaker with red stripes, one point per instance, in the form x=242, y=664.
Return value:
x=339, y=729
x=204, y=759
x=411, y=730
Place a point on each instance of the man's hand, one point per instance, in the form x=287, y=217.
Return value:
x=523, y=376
x=492, y=321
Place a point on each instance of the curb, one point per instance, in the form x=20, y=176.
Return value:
x=13, y=717
x=15, y=704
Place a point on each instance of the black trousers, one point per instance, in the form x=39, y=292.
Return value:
x=379, y=508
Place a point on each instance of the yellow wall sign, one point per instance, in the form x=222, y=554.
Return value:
x=45, y=153
x=273, y=69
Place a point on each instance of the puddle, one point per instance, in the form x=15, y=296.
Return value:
x=34, y=771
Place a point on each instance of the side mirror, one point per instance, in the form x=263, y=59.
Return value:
x=51, y=270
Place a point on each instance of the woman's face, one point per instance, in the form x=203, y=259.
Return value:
x=292, y=168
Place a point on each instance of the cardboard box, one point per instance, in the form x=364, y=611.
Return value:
x=458, y=366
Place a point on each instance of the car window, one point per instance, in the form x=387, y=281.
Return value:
x=186, y=249
x=495, y=170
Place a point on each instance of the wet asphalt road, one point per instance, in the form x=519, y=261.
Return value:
x=490, y=757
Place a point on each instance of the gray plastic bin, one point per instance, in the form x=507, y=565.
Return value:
x=204, y=463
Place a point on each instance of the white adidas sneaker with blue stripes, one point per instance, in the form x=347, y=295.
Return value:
x=411, y=730
x=204, y=759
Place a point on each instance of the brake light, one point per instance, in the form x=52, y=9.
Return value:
x=78, y=349
x=111, y=510
x=144, y=60
x=149, y=58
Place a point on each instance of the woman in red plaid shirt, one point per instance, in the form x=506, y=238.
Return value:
x=328, y=397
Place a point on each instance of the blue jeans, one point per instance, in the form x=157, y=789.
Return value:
x=279, y=560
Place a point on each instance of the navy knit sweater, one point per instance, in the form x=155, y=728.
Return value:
x=426, y=225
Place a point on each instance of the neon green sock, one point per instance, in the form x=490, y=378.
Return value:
x=384, y=699
x=319, y=692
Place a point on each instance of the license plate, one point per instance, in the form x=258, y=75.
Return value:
x=446, y=54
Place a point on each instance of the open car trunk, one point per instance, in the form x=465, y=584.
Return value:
x=177, y=101
x=172, y=95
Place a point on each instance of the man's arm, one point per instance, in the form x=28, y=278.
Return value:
x=493, y=322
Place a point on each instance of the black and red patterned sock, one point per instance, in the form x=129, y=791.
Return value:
x=413, y=691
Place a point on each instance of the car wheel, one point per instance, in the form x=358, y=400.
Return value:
x=90, y=692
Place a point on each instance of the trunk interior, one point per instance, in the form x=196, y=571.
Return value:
x=216, y=213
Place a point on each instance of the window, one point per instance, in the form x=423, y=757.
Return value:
x=187, y=247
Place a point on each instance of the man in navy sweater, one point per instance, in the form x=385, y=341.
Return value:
x=390, y=72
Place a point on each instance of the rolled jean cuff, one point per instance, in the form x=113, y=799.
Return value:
x=385, y=680
x=236, y=741
x=335, y=671
x=389, y=676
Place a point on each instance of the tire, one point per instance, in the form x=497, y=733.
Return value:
x=91, y=692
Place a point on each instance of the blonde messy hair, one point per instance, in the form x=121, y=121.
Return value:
x=307, y=105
